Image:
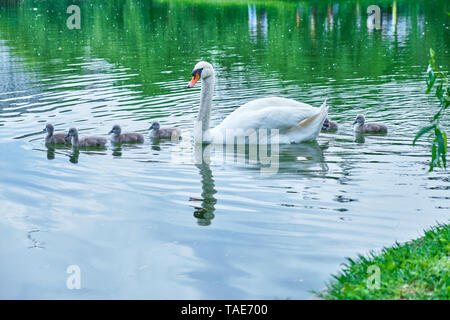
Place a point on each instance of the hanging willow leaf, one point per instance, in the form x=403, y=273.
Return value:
x=433, y=156
x=437, y=115
x=439, y=145
x=444, y=134
x=440, y=93
x=431, y=78
x=422, y=131
x=442, y=147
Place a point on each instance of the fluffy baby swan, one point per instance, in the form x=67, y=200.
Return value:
x=329, y=125
x=57, y=138
x=87, y=141
x=371, y=127
x=164, y=133
x=125, y=137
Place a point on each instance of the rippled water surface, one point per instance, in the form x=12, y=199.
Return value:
x=148, y=221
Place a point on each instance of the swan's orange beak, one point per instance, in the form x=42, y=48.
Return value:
x=194, y=80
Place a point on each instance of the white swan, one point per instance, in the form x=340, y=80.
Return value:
x=296, y=121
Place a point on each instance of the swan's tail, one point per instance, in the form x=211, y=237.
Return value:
x=308, y=129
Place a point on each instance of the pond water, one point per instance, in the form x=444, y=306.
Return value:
x=149, y=222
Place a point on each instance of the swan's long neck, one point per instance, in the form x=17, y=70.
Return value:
x=206, y=95
x=75, y=140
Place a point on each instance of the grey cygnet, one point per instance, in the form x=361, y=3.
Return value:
x=91, y=141
x=371, y=127
x=329, y=125
x=119, y=137
x=55, y=138
x=164, y=133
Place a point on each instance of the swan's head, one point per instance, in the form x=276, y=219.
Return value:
x=49, y=129
x=202, y=70
x=359, y=120
x=155, y=126
x=72, y=133
x=116, y=130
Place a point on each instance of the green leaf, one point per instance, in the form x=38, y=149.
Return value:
x=437, y=115
x=439, y=145
x=439, y=93
x=444, y=134
x=433, y=157
x=422, y=131
x=442, y=147
x=432, y=59
x=431, y=78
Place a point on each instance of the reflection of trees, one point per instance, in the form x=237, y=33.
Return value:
x=255, y=21
x=146, y=37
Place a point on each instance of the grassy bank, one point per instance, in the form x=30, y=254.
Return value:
x=419, y=269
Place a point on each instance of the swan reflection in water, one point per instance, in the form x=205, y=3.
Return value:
x=74, y=152
x=304, y=159
x=205, y=212
x=117, y=150
x=50, y=152
x=267, y=159
x=359, y=137
x=74, y=155
x=53, y=149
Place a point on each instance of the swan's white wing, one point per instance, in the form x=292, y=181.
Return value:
x=268, y=113
x=275, y=117
x=272, y=102
x=286, y=115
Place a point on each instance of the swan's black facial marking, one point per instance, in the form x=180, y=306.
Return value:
x=197, y=71
x=196, y=74
x=360, y=119
x=155, y=126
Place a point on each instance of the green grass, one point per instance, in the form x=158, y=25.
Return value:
x=419, y=269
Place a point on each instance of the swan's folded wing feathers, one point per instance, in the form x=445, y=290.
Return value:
x=295, y=121
x=262, y=103
x=274, y=117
